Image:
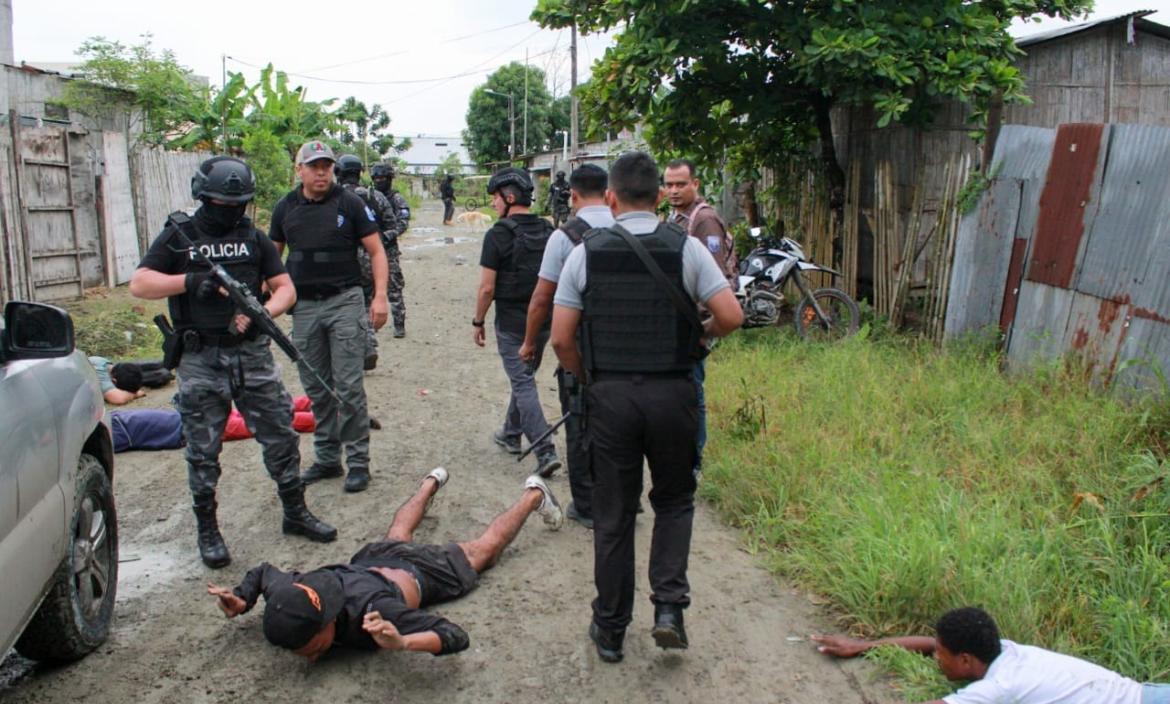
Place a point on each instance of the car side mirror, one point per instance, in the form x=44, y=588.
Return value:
x=36, y=331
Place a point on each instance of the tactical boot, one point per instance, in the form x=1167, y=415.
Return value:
x=399, y=330
x=212, y=549
x=609, y=643
x=318, y=472
x=668, y=626
x=299, y=521
x=357, y=479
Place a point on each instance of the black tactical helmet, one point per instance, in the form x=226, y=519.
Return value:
x=348, y=164
x=560, y=175
x=510, y=176
x=223, y=178
x=382, y=171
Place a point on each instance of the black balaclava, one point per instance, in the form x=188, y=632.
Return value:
x=219, y=219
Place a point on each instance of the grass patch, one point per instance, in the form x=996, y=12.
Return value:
x=901, y=481
x=111, y=323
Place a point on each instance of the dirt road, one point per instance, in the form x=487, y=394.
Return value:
x=439, y=398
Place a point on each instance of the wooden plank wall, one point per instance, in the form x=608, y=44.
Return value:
x=14, y=276
x=162, y=185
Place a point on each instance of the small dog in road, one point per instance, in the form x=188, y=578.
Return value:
x=474, y=218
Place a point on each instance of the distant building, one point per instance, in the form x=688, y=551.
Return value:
x=428, y=151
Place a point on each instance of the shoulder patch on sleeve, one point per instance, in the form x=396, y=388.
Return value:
x=714, y=242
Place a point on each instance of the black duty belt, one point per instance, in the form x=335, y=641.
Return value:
x=209, y=339
x=640, y=376
x=319, y=292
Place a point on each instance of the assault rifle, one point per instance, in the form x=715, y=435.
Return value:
x=247, y=304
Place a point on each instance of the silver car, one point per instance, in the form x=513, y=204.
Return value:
x=58, y=526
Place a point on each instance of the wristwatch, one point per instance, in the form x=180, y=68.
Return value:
x=477, y=323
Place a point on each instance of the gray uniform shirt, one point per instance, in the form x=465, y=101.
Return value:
x=559, y=246
x=702, y=278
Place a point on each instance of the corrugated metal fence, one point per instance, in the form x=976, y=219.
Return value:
x=1069, y=250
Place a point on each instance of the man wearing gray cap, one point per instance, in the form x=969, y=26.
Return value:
x=323, y=225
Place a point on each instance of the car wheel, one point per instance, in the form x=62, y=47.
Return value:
x=75, y=616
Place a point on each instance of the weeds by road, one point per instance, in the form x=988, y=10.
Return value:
x=111, y=323
x=900, y=481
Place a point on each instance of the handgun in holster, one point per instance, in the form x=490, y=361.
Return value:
x=172, y=342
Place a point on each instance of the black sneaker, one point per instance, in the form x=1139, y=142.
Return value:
x=319, y=471
x=609, y=643
x=668, y=627
x=547, y=464
x=357, y=479
x=511, y=444
x=573, y=515
x=370, y=363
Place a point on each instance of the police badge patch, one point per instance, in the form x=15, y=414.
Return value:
x=370, y=214
x=340, y=219
x=714, y=242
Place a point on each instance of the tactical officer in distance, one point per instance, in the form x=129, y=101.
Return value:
x=224, y=360
x=349, y=174
x=558, y=199
x=447, y=193
x=640, y=338
x=324, y=225
x=512, y=250
x=383, y=178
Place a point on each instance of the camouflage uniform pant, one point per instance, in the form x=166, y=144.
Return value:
x=395, y=286
x=331, y=335
x=209, y=380
x=367, y=268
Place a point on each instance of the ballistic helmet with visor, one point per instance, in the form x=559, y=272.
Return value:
x=223, y=178
x=511, y=176
x=348, y=164
x=297, y=611
x=314, y=151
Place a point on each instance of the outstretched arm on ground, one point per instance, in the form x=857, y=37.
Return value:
x=843, y=647
x=230, y=604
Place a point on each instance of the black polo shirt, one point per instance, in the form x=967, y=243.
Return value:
x=302, y=223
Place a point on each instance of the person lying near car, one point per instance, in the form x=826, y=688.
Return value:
x=375, y=600
x=967, y=647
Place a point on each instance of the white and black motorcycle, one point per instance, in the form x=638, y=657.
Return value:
x=823, y=313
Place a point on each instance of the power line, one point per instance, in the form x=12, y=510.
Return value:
x=400, y=53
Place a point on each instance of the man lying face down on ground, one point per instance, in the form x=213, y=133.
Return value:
x=375, y=600
x=968, y=648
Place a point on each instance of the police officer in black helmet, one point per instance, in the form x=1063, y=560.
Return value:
x=510, y=260
x=383, y=177
x=224, y=359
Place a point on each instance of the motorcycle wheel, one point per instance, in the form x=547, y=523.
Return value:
x=843, y=316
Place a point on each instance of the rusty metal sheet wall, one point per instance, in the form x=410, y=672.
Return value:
x=1068, y=200
x=1096, y=328
x=1042, y=315
x=1133, y=219
x=1144, y=354
x=983, y=247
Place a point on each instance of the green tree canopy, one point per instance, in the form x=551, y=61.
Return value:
x=159, y=94
x=757, y=80
x=488, y=129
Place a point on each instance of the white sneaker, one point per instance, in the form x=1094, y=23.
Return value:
x=440, y=476
x=550, y=508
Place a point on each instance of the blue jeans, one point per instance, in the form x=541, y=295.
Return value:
x=1155, y=693
x=701, y=437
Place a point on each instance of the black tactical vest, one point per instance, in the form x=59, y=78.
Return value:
x=629, y=323
x=517, y=281
x=322, y=259
x=237, y=251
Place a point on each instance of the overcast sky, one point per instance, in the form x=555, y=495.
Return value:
x=367, y=42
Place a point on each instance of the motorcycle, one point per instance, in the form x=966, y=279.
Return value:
x=823, y=313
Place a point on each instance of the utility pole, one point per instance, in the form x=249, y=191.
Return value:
x=511, y=120
x=525, y=100
x=573, y=88
x=223, y=103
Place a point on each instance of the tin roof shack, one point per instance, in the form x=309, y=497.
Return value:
x=1110, y=70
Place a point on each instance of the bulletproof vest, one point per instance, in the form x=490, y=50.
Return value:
x=368, y=198
x=320, y=255
x=517, y=281
x=629, y=322
x=238, y=252
x=575, y=228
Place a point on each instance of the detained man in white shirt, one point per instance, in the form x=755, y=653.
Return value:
x=968, y=648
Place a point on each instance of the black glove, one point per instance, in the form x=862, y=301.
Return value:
x=202, y=284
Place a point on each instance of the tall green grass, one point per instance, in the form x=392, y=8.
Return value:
x=900, y=481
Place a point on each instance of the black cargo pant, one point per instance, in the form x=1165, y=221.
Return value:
x=629, y=419
x=576, y=454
